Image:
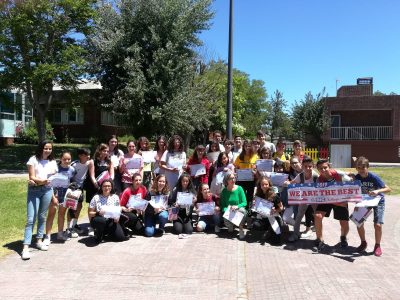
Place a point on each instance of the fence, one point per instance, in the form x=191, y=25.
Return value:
x=314, y=153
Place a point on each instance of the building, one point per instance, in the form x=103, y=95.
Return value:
x=15, y=114
x=74, y=117
x=364, y=124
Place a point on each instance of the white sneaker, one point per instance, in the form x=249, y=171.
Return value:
x=26, y=254
x=217, y=229
x=46, y=241
x=90, y=231
x=62, y=236
x=241, y=234
x=73, y=233
x=293, y=237
x=306, y=234
x=41, y=246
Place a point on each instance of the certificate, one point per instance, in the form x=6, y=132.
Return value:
x=159, y=201
x=213, y=156
x=134, y=163
x=103, y=176
x=114, y=160
x=264, y=165
x=234, y=216
x=184, y=199
x=368, y=201
x=219, y=178
x=59, y=180
x=175, y=162
x=197, y=170
x=71, y=198
x=262, y=206
x=360, y=215
x=111, y=212
x=278, y=179
x=136, y=202
x=149, y=156
x=206, y=209
x=244, y=175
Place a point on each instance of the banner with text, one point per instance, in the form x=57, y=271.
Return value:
x=324, y=192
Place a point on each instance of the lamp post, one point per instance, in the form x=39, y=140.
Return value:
x=229, y=84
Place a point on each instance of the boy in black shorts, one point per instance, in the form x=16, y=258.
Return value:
x=340, y=210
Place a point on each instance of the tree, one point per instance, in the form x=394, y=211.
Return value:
x=249, y=101
x=309, y=117
x=40, y=46
x=279, y=123
x=143, y=54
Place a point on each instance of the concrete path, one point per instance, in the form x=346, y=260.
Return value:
x=207, y=266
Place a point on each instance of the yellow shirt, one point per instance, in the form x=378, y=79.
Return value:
x=282, y=157
x=246, y=163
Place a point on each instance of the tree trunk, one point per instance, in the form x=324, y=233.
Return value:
x=40, y=123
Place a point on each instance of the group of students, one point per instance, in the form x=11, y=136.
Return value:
x=161, y=176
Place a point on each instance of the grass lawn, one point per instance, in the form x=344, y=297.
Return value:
x=390, y=176
x=13, y=214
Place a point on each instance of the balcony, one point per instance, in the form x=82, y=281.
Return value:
x=362, y=133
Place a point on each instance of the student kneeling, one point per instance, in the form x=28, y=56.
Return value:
x=105, y=226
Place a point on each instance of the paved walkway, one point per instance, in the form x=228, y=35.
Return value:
x=207, y=266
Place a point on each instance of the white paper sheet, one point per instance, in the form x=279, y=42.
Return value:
x=134, y=163
x=244, y=175
x=264, y=165
x=149, y=156
x=184, y=199
x=369, y=201
x=59, y=180
x=360, y=215
x=234, y=216
x=159, y=201
x=136, y=202
x=111, y=212
x=197, y=170
x=262, y=206
x=206, y=209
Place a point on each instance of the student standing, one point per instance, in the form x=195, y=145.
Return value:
x=173, y=161
x=40, y=167
x=340, y=210
x=372, y=185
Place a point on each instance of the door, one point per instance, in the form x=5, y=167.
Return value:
x=340, y=156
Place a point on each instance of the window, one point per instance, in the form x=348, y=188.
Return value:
x=335, y=121
x=107, y=118
x=66, y=116
x=55, y=116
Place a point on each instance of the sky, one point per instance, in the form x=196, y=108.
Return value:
x=297, y=46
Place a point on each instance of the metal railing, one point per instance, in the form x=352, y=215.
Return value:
x=362, y=133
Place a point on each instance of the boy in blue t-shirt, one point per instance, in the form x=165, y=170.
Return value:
x=372, y=185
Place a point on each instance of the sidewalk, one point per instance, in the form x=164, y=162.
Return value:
x=207, y=266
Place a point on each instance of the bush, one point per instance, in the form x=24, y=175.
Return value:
x=29, y=134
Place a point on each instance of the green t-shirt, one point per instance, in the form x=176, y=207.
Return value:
x=236, y=197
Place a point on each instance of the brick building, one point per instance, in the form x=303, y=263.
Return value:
x=369, y=125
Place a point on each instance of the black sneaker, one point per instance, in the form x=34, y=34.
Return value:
x=321, y=246
x=78, y=229
x=343, y=242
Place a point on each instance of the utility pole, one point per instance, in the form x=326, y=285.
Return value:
x=229, y=84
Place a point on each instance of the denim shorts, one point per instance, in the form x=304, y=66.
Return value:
x=379, y=212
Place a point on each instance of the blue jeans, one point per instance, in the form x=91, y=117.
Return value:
x=38, y=201
x=151, y=220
